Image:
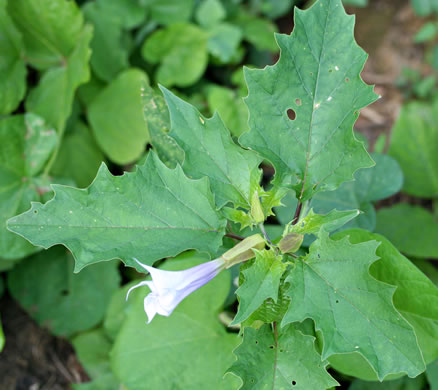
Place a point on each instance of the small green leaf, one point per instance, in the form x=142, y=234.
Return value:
x=224, y=42
x=191, y=342
x=210, y=151
x=258, y=31
x=79, y=157
x=116, y=118
x=230, y=107
x=53, y=97
x=157, y=118
x=209, y=13
x=413, y=145
x=412, y=229
x=304, y=128
x=152, y=213
x=51, y=29
x=181, y=52
x=56, y=298
x=354, y=312
x=432, y=375
x=12, y=66
x=169, y=12
x=2, y=336
x=287, y=362
x=261, y=280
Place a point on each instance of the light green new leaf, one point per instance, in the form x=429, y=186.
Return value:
x=261, y=280
x=413, y=145
x=210, y=151
x=169, y=12
x=79, y=157
x=12, y=66
x=53, y=97
x=152, y=213
x=156, y=115
x=289, y=362
x=117, y=120
x=354, y=312
x=181, y=52
x=63, y=302
x=322, y=87
x=191, y=342
x=21, y=136
x=209, y=13
x=51, y=29
x=420, y=309
x=412, y=229
x=230, y=107
x=224, y=41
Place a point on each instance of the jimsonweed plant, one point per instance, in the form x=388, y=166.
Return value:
x=312, y=295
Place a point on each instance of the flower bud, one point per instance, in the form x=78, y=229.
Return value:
x=291, y=242
x=256, y=208
x=243, y=250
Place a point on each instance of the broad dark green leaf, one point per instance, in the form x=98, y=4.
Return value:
x=53, y=97
x=12, y=67
x=404, y=383
x=188, y=350
x=413, y=144
x=116, y=118
x=79, y=157
x=258, y=31
x=152, y=213
x=157, y=118
x=180, y=51
x=412, y=229
x=224, y=41
x=57, y=299
x=51, y=29
x=354, y=312
x=432, y=375
x=261, y=280
x=289, y=362
x=322, y=88
x=28, y=137
x=210, y=151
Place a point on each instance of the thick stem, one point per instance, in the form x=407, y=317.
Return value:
x=297, y=213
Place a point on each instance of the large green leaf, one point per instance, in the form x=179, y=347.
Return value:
x=63, y=302
x=354, y=312
x=398, y=384
x=288, y=361
x=210, y=151
x=413, y=143
x=432, y=375
x=168, y=12
x=322, y=88
x=157, y=118
x=51, y=29
x=12, y=66
x=28, y=137
x=188, y=350
x=152, y=213
x=412, y=229
x=261, y=280
x=79, y=157
x=116, y=118
x=53, y=97
x=180, y=51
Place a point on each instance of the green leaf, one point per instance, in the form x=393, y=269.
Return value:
x=191, y=341
x=79, y=157
x=180, y=51
x=412, y=229
x=129, y=14
x=231, y=108
x=289, y=362
x=12, y=66
x=354, y=312
x=209, y=13
x=404, y=383
x=2, y=336
x=157, y=118
x=261, y=280
x=224, y=42
x=316, y=151
x=426, y=33
x=116, y=118
x=413, y=141
x=53, y=97
x=28, y=137
x=159, y=209
x=432, y=375
x=169, y=12
x=51, y=29
x=210, y=151
x=424, y=7
x=258, y=31
x=59, y=300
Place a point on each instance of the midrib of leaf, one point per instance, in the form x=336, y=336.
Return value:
x=337, y=291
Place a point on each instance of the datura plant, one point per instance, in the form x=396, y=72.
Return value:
x=309, y=298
